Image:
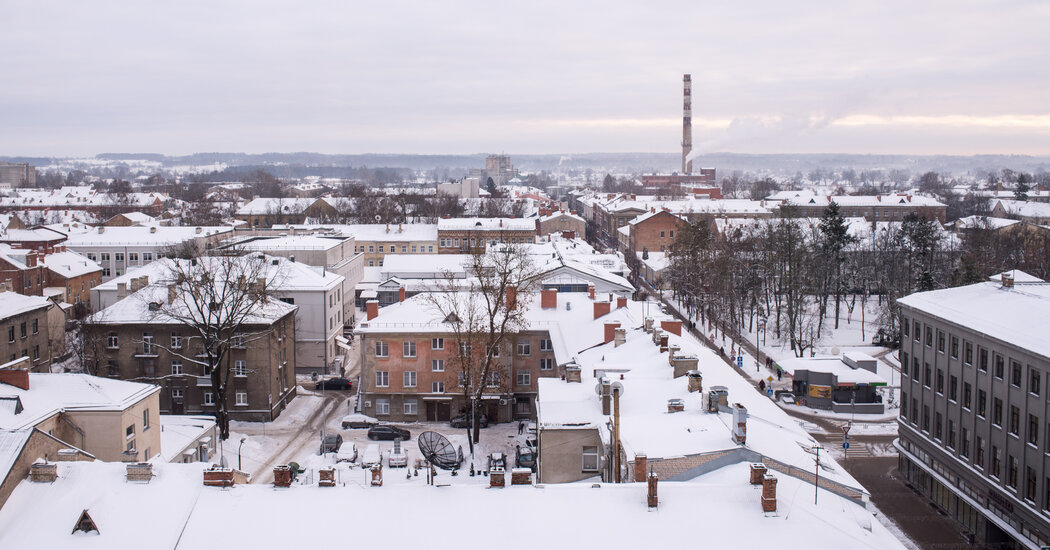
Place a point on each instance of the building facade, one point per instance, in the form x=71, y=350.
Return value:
x=467, y=235
x=975, y=413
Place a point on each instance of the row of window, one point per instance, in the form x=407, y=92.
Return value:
x=404, y=248
x=409, y=348
x=133, y=257
x=408, y=378
x=22, y=330
x=240, y=368
x=25, y=353
x=454, y=242
x=240, y=397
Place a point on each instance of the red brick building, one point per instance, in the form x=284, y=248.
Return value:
x=655, y=231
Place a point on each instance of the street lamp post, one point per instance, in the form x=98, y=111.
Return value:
x=760, y=327
x=243, y=439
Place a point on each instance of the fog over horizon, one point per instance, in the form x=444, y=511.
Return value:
x=955, y=78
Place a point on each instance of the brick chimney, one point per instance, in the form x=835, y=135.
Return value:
x=1008, y=279
x=674, y=327
x=549, y=298
x=372, y=309
x=590, y=291
x=621, y=302
x=512, y=297
x=641, y=463
x=573, y=374
x=601, y=308
x=401, y=294
x=610, y=331
x=606, y=395
x=769, y=493
x=15, y=377
x=651, y=493
x=758, y=471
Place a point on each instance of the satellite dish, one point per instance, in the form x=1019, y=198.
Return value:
x=377, y=218
x=834, y=351
x=437, y=450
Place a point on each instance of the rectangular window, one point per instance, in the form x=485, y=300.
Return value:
x=524, y=348
x=176, y=341
x=926, y=418
x=465, y=348
x=938, y=426
x=951, y=434
x=147, y=256
x=997, y=411
x=1015, y=420
x=241, y=398
x=1030, y=484
x=105, y=256
x=978, y=454
x=176, y=394
x=11, y=335
x=546, y=364
x=914, y=411
x=36, y=352
x=927, y=375
x=1015, y=374
x=590, y=458
x=982, y=402
x=408, y=349
x=953, y=388
x=381, y=349
x=209, y=398
x=940, y=342
x=982, y=359
x=904, y=363
x=997, y=461
x=524, y=378
x=967, y=353
x=437, y=343
x=240, y=368
x=964, y=450
x=1033, y=429
x=915, y=368
x=129, y=432
x=917, y=333
x=380, y=248
x=382, y=379
x=955, y=347
x=404, y=249
x=133, y=256
x=1033, y=381
x=437, y=387
x=411, y=407
x=437, y=365
x=22, y=329
x=1011, y=471
x=999, y=366
x=929, y=336
x=147, y=343
x=383, y=406
x=967, y=394
x=940, y=381
x=119, y=256
x=546, y=345
x=36, y=326
x=409, y=379
x=176, y=368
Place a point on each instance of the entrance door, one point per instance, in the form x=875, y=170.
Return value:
x=431, y=411
x=177, y=407
x=444, y=411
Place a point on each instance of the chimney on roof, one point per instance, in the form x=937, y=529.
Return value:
x=101, y=229
x=606, y=396
x=610, y=331
x=153, y=229
x=1007, y=279
x=372, y=309
x=619, y=337
x=621, y=302
x=549, y=298
x=590, y=291
x=739, y=424
x=18, y=378
x=122, y=291
x=769, y=493
x=674, y=327
x=573, y=374
x=601, y=308
x=401, y=294
x=651, y=497
x=512, y=297
x=171, y=293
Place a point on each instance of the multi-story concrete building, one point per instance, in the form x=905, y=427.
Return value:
x=70, y=277
x=408, y=355
x=120, y=249
x=465, y=235
x=26, y=325
x=17, y=174
x=134, y=342
x=975, y=415
x=318, y=293
x=877, y=208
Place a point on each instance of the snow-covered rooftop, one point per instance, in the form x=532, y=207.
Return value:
x=135, y=235
x=486, y=224
x=13, y=303
x=720, y=508
x=70, y=264
x=832, y=365
x=49, y=394
x=1015, y=315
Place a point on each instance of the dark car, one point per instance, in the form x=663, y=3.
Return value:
x=335, y=384
x=886, y=337
x=526, y=457
x=497, y=460
x=331, y=443
x=385, y=431
x=463, y=421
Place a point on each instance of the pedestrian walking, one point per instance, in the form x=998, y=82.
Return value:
x=521, y=427
x=780, y=373
x=721, y=351
x=762, y=385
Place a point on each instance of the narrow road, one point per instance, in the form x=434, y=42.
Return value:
x=307, y=439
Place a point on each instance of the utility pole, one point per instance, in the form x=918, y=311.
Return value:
x=816, y=473
x=616, y=434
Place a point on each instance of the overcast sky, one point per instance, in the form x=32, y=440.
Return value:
x=955, y=77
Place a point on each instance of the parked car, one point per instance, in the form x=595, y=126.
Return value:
x=388, y=432
x=786, y=397
x=331, y=443
x=398, y=458
x=525, y=457
x=886, y=337
x=462, y=421
x=347, y=452
x=358, y=420
x=335, y=384
x=371, y=456
x=497, y=460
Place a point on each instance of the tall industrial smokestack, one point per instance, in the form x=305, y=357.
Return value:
x=687, y=124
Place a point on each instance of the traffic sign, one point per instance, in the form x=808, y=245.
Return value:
x=740, y=361
x=845, y=429
x=845, y=446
